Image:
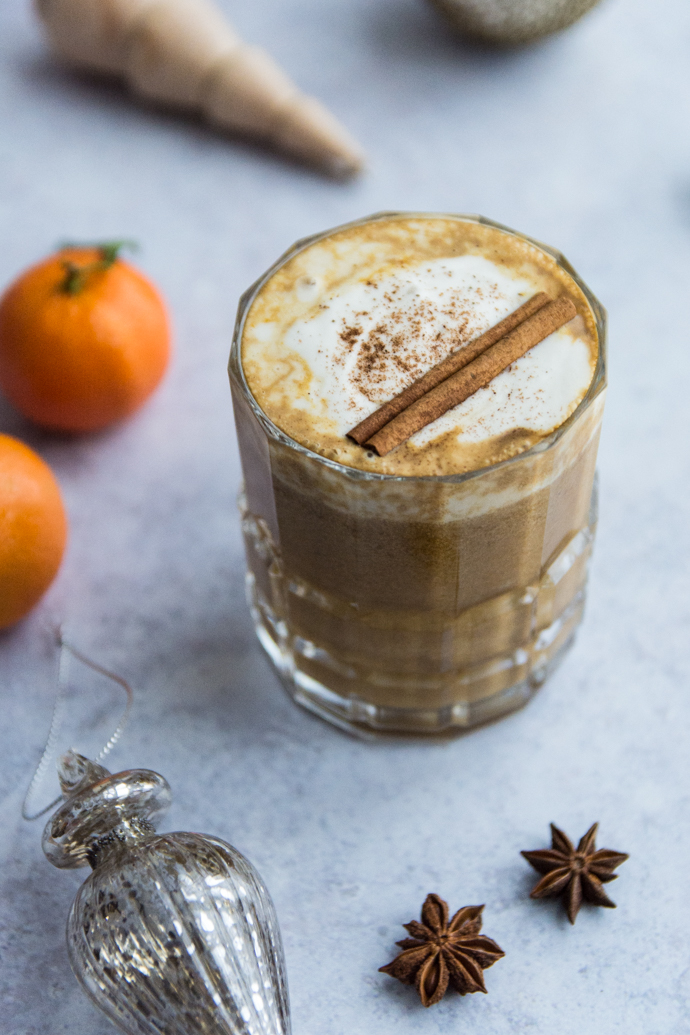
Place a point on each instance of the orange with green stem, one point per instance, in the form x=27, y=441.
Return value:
x=84, y=339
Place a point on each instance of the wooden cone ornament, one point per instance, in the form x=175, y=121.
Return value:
x=184, y=53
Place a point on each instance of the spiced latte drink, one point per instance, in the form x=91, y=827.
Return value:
x=417, y=562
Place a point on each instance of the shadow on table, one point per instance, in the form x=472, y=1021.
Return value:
x=415, y=32
x=109, y=95
x=209, y=674
x=36, y=900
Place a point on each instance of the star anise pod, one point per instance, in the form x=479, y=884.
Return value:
x=440, y=952
x=575, y=873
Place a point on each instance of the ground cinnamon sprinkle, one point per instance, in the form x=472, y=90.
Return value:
x=391, y=348
x=448, y=366
x=477, y=374
x=349, y=335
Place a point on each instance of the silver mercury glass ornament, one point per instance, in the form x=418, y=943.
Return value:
x=171, y=934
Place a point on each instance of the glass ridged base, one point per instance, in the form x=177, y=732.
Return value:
x=354, y=715
x=543, y=619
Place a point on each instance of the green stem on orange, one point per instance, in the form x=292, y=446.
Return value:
x=75, y=275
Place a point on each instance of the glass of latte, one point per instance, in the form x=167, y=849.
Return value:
x=431, y=584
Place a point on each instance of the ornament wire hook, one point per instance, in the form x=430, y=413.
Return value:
x=68, y=651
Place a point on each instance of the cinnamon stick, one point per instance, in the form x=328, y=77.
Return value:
x=475, y=375
x=438, y=373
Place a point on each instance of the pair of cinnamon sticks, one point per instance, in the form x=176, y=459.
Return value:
x=463, y=373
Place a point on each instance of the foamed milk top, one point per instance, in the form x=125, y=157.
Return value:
x=352, y=320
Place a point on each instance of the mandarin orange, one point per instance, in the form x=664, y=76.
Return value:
x=33, y=529
x=84, y=339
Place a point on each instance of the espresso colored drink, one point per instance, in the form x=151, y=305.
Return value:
x=432, y=588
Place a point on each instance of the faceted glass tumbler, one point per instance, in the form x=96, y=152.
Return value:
x=416, y=605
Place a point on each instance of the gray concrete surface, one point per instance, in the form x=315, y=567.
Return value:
x=581, y=141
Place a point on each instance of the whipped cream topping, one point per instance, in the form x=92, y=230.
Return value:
x=367, y=343
x=342, y=346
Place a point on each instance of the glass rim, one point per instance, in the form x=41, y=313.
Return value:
x=236, y=370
